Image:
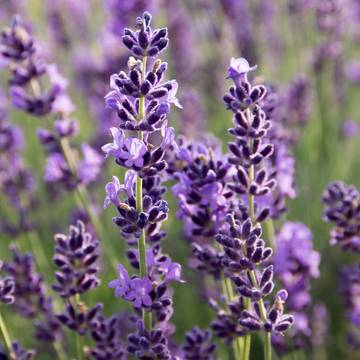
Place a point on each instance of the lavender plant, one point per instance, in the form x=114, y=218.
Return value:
x=142, y=101
x=241, y=211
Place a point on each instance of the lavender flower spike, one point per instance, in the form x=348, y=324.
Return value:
x=142, y=101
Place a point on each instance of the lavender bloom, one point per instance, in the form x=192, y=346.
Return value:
x=7, y=289
x=350, y=281
x=298, y=100
x=142, y=101
x=16, y=181
x=198, y=345
x=29, y=72
x=276, y=322
x=294, y=250
x=145, y=41
x=342, y=208
x=148, y=345
x=17, y=44
x=295, y=264
x=201, y=188
x=239, y=69
x=244, y=249
x=56, y=169
x=30, y=297
x=90, y=167
x=79, y=318
x=76, y=256
x=18, y=352
x=246, y=255
x=107, y=337
x=226, y=326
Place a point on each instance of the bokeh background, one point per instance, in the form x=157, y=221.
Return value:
x=288, y=40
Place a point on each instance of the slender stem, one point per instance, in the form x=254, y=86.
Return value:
x=271, y=232
x=238, y=343
x=268, y=345
x=247, y=344
x=251, y=273
x=79, y=347
x=5, y=336
x=38, y=250
x=59, y=351
x=262, y=310
x=146, y=315
x=79, y=339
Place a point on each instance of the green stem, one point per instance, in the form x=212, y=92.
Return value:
x=262, y=310
x=38, y=250
x=246, y=348
x=246, y=353
x=79, y=339
x=238, y=343
x=61, y=355
x=147, y=316
x=5, y=336
x=270, y=228
x=267, y=346
x=247, y=302
x=79, y=347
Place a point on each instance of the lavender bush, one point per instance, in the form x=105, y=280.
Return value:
x=207, y=217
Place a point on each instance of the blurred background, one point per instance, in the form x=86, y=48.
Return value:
x=308, y=52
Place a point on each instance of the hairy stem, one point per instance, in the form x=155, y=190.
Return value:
x=246, y=353
x=37, y=248
x=262, y=310
x=79, y=338
x=270, y=229
x=5, y=336
x=139, y=205
x=228, y=291
x=60, y=353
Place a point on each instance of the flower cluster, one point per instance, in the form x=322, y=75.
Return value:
x=31, y=299
x=198, y=345
x=142, y=101
x=342, y=208
x=295, y=264
x=76, y=256
x=16, y=180
x=7, y=289
x=246, y=254
x=350, y=284
x=108, y=339
x=29, y=74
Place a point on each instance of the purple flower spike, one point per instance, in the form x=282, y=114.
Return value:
x=76, y=255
